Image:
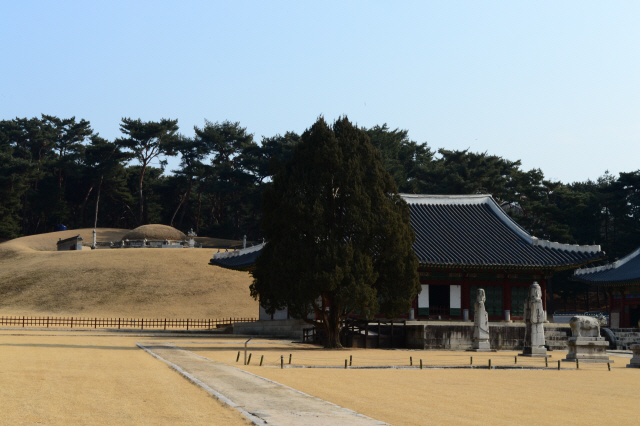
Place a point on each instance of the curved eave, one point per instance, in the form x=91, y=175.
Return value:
x=248, y=267
x=554, y=268
x=621, y=283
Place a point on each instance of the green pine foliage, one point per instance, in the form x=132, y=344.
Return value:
x=339, y=238
x=59, y=171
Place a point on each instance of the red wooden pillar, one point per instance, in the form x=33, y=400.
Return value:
x=465, y=298
x=506, y=297
x=543, y=287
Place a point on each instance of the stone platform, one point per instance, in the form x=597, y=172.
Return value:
x=535, y=352
x=635, y=361
x=587, y=349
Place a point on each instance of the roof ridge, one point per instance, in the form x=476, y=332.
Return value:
x=614, y=265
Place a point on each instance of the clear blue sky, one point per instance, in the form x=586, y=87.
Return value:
x=554, y=84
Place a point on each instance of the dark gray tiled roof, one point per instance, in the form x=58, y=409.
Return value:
x=240, y=259
x=469, y=230
x=473, y=230
x=623, y=271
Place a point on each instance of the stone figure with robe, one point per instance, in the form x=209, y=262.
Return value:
x=480, y=323
x=534, y=317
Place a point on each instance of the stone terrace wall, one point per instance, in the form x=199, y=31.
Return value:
x=459, y=335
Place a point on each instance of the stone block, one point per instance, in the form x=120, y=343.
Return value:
x=587, y=349
x=534, y=351
x=635, y=361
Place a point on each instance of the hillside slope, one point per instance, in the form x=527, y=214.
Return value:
x=162, y=283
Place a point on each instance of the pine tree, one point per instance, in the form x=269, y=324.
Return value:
x=339, y=238
x=147, y=141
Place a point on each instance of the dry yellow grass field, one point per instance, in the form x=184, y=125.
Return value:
x=97, y=379
x=90, y=378
x=103, y=378
x=589, y=396
x=152, y=283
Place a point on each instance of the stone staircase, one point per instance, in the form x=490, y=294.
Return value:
x=626, y=337
x=556, y=338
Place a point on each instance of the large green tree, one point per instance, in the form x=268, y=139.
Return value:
x=339, y=238
x=148, y=141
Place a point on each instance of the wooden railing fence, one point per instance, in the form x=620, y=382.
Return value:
x=120, y=323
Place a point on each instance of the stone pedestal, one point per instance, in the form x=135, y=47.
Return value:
x=587, y=349
x=635, y=361
x=535, y=351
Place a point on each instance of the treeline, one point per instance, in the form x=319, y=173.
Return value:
x=60, y=171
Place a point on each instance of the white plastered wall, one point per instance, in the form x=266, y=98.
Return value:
x=423, y=297
x=455, y=294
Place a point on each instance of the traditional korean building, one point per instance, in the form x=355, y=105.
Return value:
x=464, y=242
x=621, y=280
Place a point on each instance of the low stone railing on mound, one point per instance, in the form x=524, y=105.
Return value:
x=120, y=323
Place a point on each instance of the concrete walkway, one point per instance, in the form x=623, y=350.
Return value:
x=261, y=400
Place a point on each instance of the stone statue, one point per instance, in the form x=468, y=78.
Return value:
x=585, y=343
x=480, y=323
x=583, y=326
x=534, y=317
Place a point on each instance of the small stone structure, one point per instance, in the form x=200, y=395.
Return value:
x=585, y=343
x=480, y=324
x=534, y=317
x=635, y=361
x=73, y=243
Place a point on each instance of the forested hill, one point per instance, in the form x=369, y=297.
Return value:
x=60, y=171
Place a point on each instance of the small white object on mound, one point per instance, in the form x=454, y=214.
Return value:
x=155, y=232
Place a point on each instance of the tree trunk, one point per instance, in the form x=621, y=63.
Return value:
x=177, y=208
x=332, y=326
x=95, y=220
x=140, y=196
x=199, y=208
x=84, y=203
x=186, y=203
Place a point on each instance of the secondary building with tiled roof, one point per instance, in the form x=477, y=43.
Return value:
x=465, y=242
x=622, y=281
x=241, y=260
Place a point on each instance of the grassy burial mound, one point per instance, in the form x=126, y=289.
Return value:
x=35, y=279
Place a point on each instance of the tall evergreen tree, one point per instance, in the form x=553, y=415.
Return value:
x=339, y=238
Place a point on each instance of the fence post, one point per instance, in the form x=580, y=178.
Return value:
x=23, y=322
x=71, y=322
x=47, y=322
x=118, y=323
x=187, y=323
x=165, y=323
x=142, y=324
x=95, y=323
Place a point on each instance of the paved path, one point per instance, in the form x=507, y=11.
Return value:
x=261, y=400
